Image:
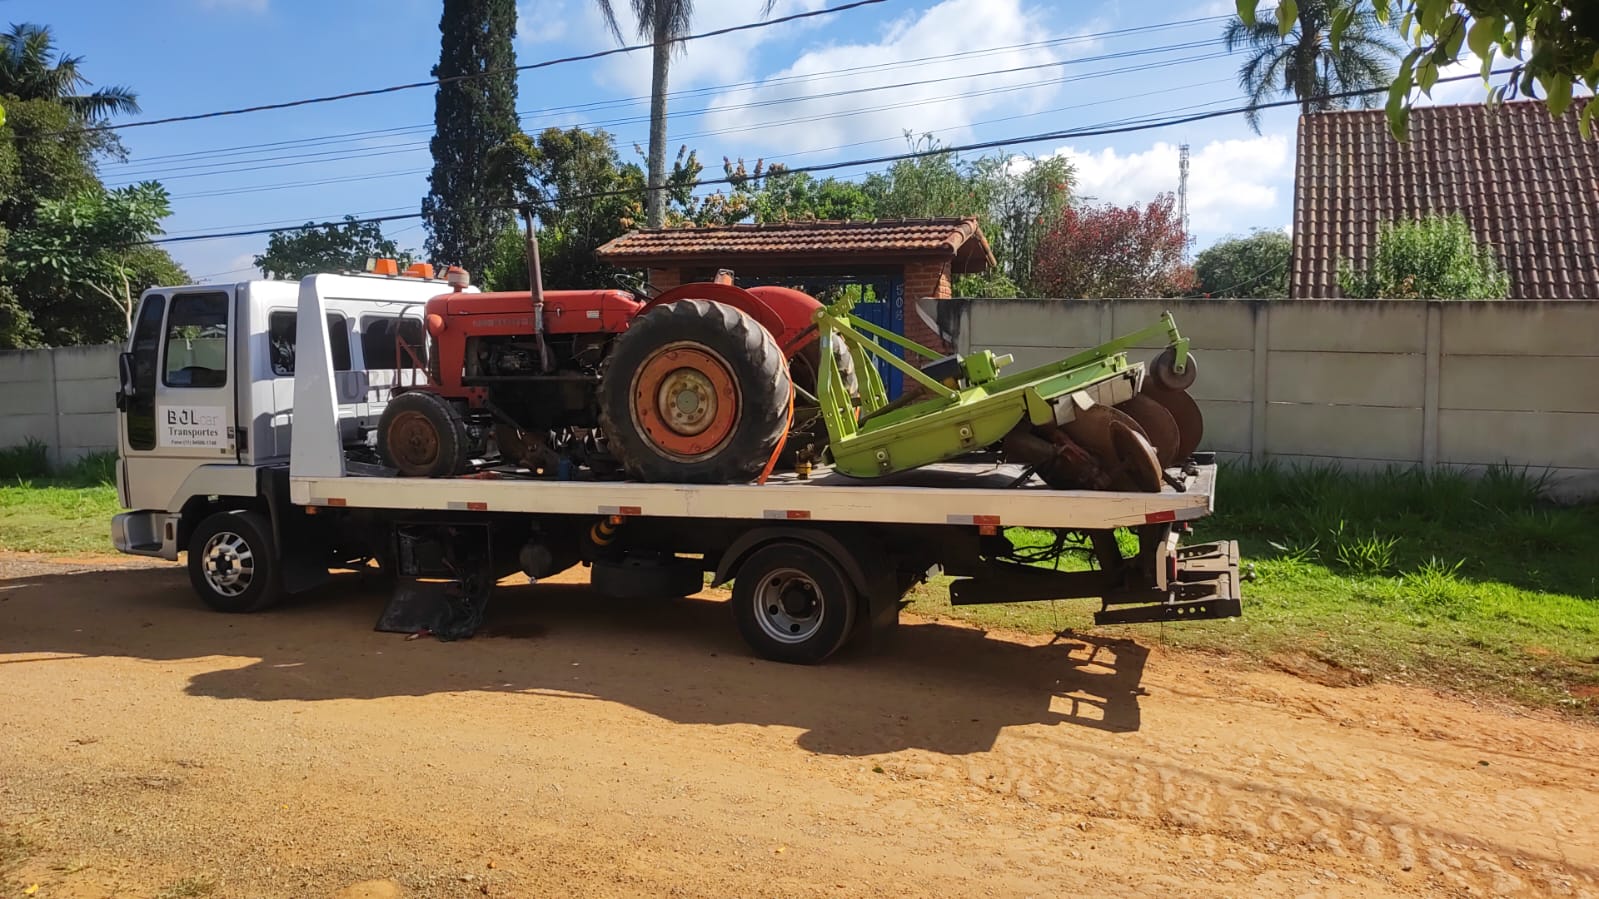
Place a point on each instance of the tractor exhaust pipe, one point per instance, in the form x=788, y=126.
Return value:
x=535, y=283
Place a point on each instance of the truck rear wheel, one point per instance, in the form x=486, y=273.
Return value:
x=422, y=435
x=694, y=392
x=233, y=565
x=793, y=604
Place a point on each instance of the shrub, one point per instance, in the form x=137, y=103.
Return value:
x=1432, y=258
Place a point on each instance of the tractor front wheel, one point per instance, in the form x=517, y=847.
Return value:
x=694, y=392
x=423, y=436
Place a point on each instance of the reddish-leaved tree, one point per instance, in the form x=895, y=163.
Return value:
x=1113, y=251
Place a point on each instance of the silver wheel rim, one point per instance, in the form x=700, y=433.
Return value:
x=789, y=607
x=228, y=563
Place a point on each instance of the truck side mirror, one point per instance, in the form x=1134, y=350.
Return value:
x=125, y=386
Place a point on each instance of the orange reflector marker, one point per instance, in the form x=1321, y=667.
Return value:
x=336, y=501
x=385, y=267
x=420, y=270
x=310, y=510
x=477, y=507
x=988, y=530
x=986, y=520
x=1158, y=517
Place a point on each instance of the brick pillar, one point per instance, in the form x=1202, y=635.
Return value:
x=663, y=279
x=925, y=279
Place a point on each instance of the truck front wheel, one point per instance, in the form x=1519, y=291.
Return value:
x=793, y=604
x=232, y=563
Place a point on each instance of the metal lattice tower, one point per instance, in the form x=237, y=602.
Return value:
x=1182, y=196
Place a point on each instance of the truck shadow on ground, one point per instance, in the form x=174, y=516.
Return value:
x=934, y=686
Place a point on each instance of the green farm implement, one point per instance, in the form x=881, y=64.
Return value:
x=1094, y=420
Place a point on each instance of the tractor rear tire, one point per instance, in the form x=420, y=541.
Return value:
x=422, y=435
x=694, y=392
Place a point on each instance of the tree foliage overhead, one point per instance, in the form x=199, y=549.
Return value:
x=72, y=261
x=1432, y=258
x=663, y=23
x=1255, y=266
x=1293, y=53
x=1095, y=252
x=91, y=241
x=471, y=117
x=1547, y=45
x=329, y=247
x=32, y=69
x=581, y=192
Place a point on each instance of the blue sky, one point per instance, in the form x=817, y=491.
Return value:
x=831, y=88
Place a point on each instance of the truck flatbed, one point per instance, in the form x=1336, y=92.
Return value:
x=952, y=493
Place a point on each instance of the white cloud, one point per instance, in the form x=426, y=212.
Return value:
x=951, y=26
x=542, y=21
x=1233, y=185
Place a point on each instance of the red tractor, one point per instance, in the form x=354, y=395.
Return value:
x=691, y=386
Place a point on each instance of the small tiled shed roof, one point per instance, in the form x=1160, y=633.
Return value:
x=884, y=240
x=1527, y=183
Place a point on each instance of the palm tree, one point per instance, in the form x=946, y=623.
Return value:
x=1305, y=64
x=31, y=69
x=664, y=23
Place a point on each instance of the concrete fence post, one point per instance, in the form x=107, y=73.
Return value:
x=1431, y=386
x=55, y=412
x=1259, y=358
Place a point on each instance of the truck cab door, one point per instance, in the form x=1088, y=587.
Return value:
x=175, y=394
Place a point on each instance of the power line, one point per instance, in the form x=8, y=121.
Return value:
x=201, y=169
x=877, y=160
x=347, y=136
x=452, y=79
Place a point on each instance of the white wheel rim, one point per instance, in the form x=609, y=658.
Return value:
x=228, y=563
x=789, y=606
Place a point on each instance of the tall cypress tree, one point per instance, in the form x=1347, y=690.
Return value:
x=471, y=117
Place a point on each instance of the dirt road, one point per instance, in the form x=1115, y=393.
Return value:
x=589, y=747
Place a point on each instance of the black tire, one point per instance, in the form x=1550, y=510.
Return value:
x=793, y=604
x=233, y=565
x=1164, y=369
x=730, y=355
x=422, y=435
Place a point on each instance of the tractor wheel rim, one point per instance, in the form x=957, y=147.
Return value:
x=413, y=440
x=685, y=401
x=788, y=606
x=228, y=563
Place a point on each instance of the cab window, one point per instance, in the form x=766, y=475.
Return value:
x=283, y=339
x=196, y=351
x=377, y=340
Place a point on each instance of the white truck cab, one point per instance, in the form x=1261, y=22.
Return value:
x=207, y=387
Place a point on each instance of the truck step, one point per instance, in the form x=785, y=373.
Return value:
x=1206, y=587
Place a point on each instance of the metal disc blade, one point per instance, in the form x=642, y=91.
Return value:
x=1092, y=430
x=1185, y=412
x=1139, y=468
x=1158, y=425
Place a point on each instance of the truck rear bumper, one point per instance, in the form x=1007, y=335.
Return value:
x=146, y=533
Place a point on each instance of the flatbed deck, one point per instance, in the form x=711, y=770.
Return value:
x=952, y=493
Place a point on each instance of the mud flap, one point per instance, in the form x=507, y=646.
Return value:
x=444, y=575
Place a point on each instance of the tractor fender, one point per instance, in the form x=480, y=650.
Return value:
x=785, y=313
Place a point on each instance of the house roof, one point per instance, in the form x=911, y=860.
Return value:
x=1527, y=183
x=884, y=240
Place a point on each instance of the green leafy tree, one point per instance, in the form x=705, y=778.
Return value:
x=83, y=256
x=1432, y=258
x=1549, y=45
x=1293, y=52
x=581, y=192
x=31, y=68
x=464, y=209
x=329, y=247
x=663, y=23
x=1255, y=266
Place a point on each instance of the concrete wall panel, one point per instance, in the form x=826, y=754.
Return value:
x=1355, y=432
x=79, y=397
x=1227, y=426
x=1538, y=439
x=24, y=365
x=1208, y=324
x=1345, y=326
x=1521, y=328
x=1370, y=379
x=16, y=430
x=1530, y=383
x=86, y=362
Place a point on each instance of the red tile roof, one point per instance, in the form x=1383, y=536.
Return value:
x=1528, y=184
x=887, y=240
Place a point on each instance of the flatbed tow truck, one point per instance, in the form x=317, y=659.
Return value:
x=267, y=490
